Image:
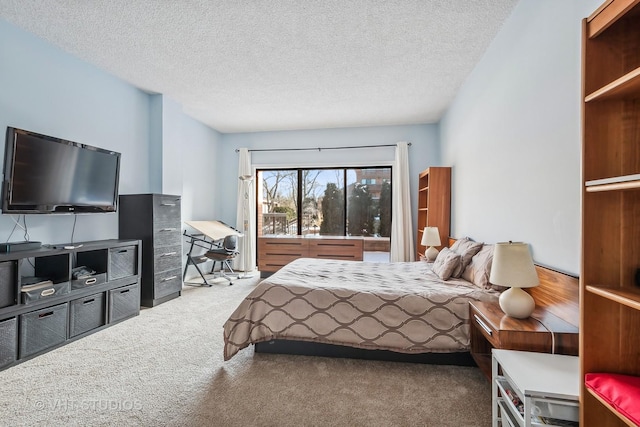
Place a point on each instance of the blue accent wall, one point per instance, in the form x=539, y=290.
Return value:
x=47, y=90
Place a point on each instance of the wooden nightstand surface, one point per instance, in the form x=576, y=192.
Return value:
x=491, y=328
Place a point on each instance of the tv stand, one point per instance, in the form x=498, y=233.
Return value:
x=45, y=303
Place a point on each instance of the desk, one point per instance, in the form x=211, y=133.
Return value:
x=212, y=232
x=215, y=230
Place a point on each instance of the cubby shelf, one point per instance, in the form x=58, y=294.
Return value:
x=626, y=86
x=613, y=410
x=65, y=307
x=629, y=298
x=626, y=182
x=608, y=13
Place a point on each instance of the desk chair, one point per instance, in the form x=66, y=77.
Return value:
x=223, y=254
x=221, y=250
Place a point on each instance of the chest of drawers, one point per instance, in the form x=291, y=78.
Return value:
x=155, y=219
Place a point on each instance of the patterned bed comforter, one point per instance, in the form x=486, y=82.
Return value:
x=403, y=307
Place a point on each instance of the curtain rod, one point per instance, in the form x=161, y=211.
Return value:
x=326, y=148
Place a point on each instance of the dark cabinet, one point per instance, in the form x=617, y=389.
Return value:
x=155, y=219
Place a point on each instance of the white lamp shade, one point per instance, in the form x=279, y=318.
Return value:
x=430, y=237
x=513, y=266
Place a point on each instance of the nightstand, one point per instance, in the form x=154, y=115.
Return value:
x=542, y=332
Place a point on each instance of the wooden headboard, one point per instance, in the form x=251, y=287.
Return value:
x=558, y=293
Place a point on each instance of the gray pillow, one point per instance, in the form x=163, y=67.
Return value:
x=479, y=269
x=446, y=263
x=466, y=248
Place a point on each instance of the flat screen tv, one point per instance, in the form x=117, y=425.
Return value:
x=44, y=175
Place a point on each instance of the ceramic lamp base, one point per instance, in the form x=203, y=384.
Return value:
x=431, y=254
x=517, y=303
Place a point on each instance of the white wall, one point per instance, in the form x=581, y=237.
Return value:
x=424, y=152
x=513, y=135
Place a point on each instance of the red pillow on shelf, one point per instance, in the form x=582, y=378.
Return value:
x=620, y=391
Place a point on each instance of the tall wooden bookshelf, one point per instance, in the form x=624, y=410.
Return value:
x=434, y=203
x=609, y=297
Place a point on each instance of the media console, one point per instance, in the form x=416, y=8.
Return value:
x=49, y=297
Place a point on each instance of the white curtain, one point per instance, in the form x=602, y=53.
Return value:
x=402, y=248
x=245, y=218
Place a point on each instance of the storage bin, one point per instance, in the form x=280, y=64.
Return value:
x=8, y=341
x=122, y=262
x=124, y=302
x=86, y=314
x=42, y=329
x=7, y=283
x=550, y=408
x=95, y=279
x=32, y=293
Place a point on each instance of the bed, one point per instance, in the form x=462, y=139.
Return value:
x=315, y=306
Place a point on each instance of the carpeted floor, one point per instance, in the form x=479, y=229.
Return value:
x=165, y=368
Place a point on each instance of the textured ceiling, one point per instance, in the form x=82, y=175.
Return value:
x=242, y=66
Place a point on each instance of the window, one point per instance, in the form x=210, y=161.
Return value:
x=328, y=202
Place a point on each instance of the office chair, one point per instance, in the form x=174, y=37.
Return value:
x=223, y=254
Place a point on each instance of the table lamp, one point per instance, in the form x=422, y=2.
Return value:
x=513, y=267
x=431, y=238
